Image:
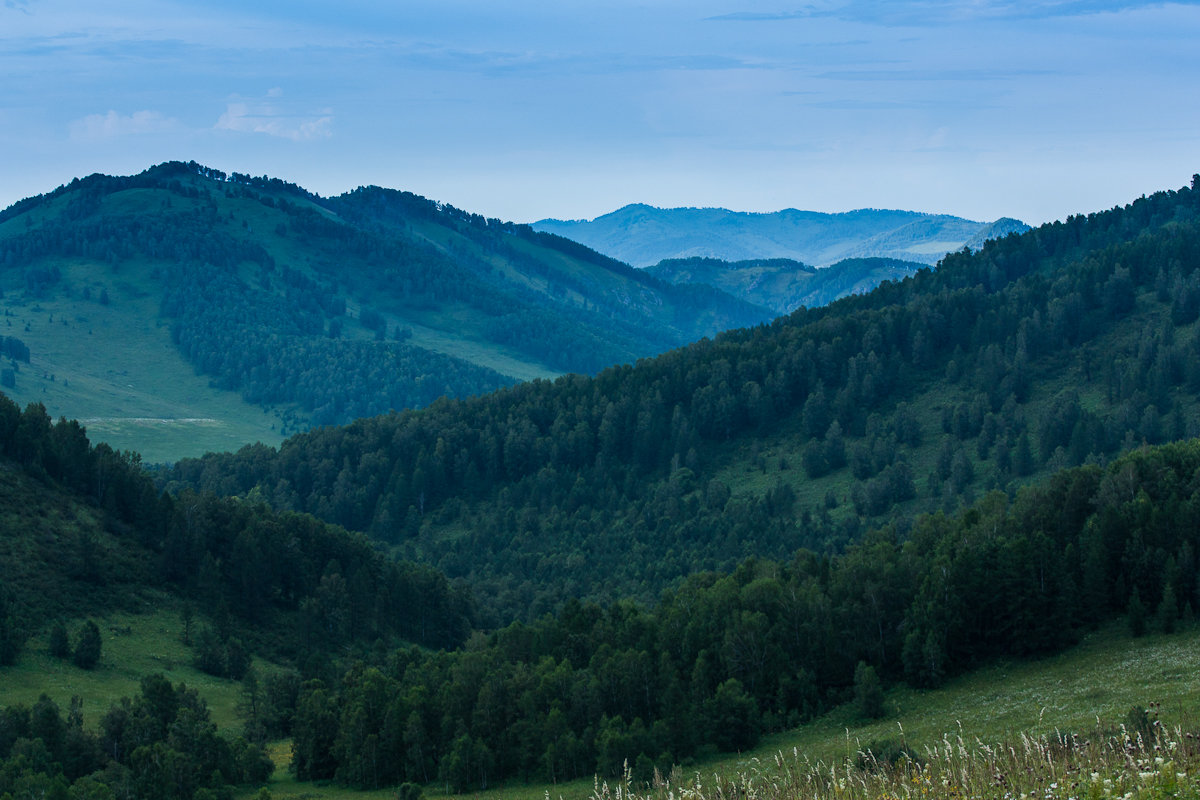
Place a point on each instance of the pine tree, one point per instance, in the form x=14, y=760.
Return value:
x=1168, y=610
x=1022, y=458
x=87, y=649
x=868, y=691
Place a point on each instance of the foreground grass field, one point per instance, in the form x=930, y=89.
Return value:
x=1152, y=762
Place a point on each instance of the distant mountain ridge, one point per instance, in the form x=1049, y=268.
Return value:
x=782, y=284
x=643, y=235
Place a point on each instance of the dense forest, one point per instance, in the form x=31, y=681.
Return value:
x=720, y=659
x=160, y=744
x=1064, y=345
x=85, y=529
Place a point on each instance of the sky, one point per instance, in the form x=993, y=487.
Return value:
x=570, y=109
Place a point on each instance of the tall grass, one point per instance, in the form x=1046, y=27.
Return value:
x=1150, y=762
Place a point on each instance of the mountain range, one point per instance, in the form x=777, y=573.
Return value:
x=587, y=575
x=643, y=235
x=184, y=309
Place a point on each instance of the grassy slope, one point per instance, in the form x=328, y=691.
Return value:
x=135, y=645
x=115, y=369
x=42, y=561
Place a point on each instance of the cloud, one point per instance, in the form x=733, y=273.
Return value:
x=936, y=12
x=275, y=119
x=909, y=75
x=114, y=124
x=752, y=16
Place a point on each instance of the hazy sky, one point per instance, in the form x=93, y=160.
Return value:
x=530, y=109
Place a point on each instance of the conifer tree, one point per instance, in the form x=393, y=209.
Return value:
x=868, y=691
x=1168, y=610
x=87, y=648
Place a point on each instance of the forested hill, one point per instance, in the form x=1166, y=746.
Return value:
x=86, y=531
x=315, y=310
x=1063, y=345
x=84, y=534
x=593, y=689
x=782, y=284
x=643, y=235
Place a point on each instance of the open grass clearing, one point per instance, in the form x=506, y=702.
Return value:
x=134, y=646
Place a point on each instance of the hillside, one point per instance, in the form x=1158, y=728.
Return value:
x=524, y=710
x=84, y=530
x=1067, y=344
x=643, y=235
x=183, y=309
x=781, y=284
x=724, y=658
x=1106, y=676
x=717, y=662
x=84, y=536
